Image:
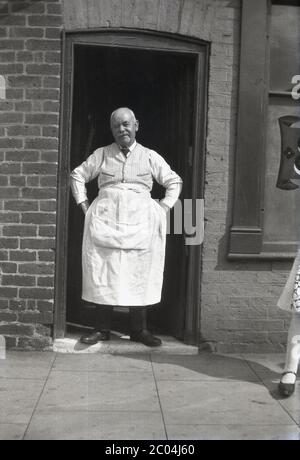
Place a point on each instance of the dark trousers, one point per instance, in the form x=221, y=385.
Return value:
x=137, y=318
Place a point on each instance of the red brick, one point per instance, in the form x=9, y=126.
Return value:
x=41, y=119
x=33, y=181
x=52, y=57
x=9, y=192
x=6, y=69
x=50, y=131
x=17, y=181
x=42, y=218
x=8, y=267
x=36, y=243
x=20, y=230
x=45, y=306
x=49, y=157
x=7, y=56
x=47, y=20
x=24, y=106
x=48, y=205
x=3, y=304
x=22, y=155
x=10, y=168
x=9, y=243
x=3, y=255
x=35, y=317
x=40, y=168
x=22, y=256
x=46, y=281
x=42, y=69
x=54, y=9
x=38, y=193
x=8, y=292
x=17, y=280
x=35, y=293
x=46, y=256
x=16, y=329
x=8, y=118
x=9, y=44
x=53, y=32
x=36, y=268
x=23, y=130
x=51, y=106
x=34, y=343
x=51, y=82
x=47, y=230
x=24, y=32
x=21, y=205
x=48, y=181
x=6, y=217
x=36, y=7
x=43, y=94
x=5, y=106
x=25, y=81
x=43, y=45
x=3, y=181
x=14, y=93
x=17, y=304
x=12, y=20
x=25, y=56
x=7, y=316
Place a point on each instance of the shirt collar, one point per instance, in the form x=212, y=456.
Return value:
x=131, y=148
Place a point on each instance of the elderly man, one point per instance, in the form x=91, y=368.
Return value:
x=123, y=248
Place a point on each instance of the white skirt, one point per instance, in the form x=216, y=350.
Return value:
x=123, y=250
x=290, y=296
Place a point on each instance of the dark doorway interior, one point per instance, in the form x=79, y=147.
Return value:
x=159, y=87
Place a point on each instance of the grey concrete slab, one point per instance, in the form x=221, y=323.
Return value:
x=120, y=344
x=270, y=365
x=233, y=432
x=96, y=426
x=97, y=391
x=26, y=365
x=221, y=402
x=12, y=431
x=18, y=398
x=205, y=366
x=139, y=362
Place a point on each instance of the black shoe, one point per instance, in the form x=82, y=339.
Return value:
x=287, y=389
x=95, y=337
x=146, y=338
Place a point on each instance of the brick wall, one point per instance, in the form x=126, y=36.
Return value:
x=30, y=62
x=238, y=310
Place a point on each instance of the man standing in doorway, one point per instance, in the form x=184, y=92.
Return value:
x=123, y=250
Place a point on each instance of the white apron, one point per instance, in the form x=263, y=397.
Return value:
x=123, y=250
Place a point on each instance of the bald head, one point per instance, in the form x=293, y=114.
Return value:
x=124, y=126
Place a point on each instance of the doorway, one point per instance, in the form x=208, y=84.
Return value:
x=162, y=87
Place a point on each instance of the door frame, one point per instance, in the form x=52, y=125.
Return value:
x=143, y=40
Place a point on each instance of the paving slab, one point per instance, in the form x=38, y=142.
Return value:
x=233, y=432
x=220, y=402
x=18, y=398
x=96, y=426
x=12, y=431
x=97, y=391
x=132, y=362
x=205, y=366
x=26, y=365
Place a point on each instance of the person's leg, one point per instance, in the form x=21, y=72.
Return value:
x=138, y=327
x=288, y=379
x=102, y=325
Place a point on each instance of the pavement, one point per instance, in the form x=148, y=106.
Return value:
x=120, y=390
